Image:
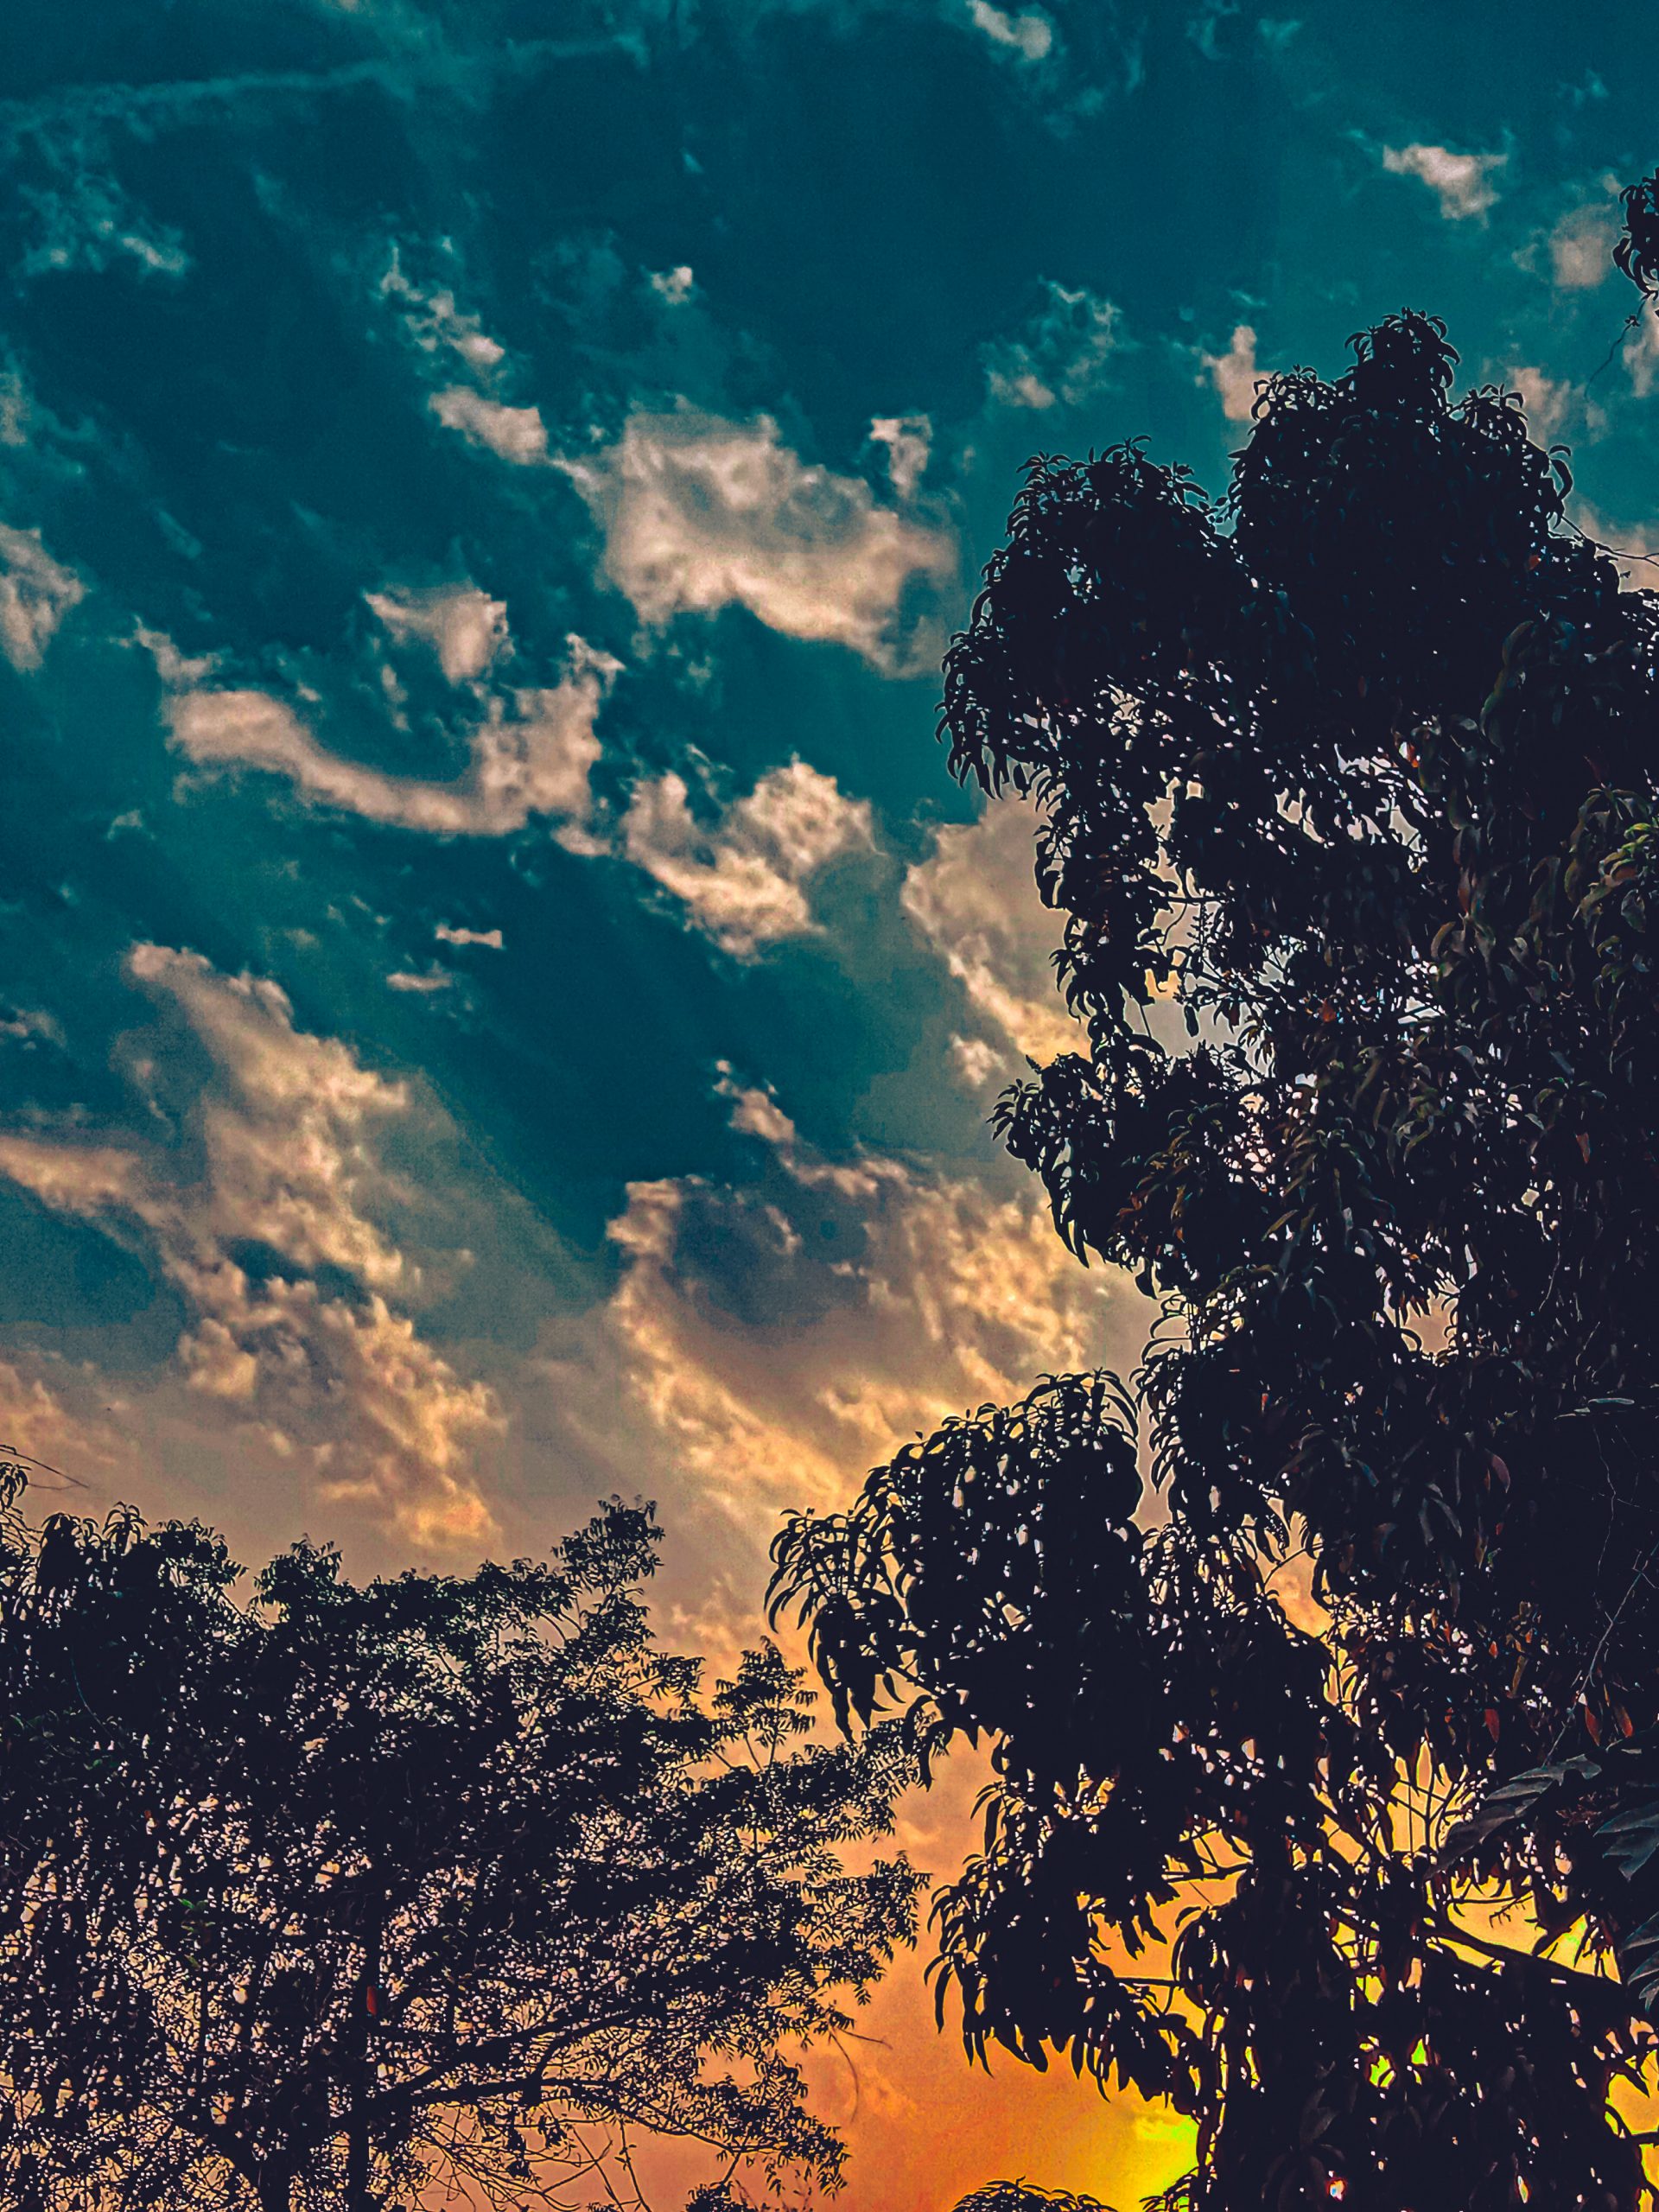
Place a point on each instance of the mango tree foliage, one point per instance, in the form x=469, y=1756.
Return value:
x=1347, y=789
x=310, y=1899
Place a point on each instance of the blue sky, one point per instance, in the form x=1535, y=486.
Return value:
x=501, y=997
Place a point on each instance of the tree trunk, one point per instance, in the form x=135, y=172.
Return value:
x=363, y=2080
x=357, y=2161
x=276, y=2189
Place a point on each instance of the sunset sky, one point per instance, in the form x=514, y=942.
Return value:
x=500, y=996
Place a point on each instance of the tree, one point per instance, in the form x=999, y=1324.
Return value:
x=1349, y=794
x=1019, y=2196
x=307, y=1898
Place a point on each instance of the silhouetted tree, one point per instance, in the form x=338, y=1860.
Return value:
x=1019, y=2196
x=1348, y=792
x=304, y=1900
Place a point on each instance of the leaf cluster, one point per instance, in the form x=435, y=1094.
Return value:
x=310, y=1897
x=1346, y=790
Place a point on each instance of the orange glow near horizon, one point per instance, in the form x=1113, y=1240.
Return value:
x=928, y=2128
x=924, y=2128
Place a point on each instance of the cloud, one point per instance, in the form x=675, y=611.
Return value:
x=1635, y=542
x=1063, y=356
x=437, y=325
x=532, y=754
x=1030, y=34
x=1234, y=374
x=909, y=442
x=766, y=1345
x=740, y=879
x=37, y=1424
x=308, y=1346
x=516, y=433
x=1550, y=402
x=449, y=337
x=37, y=592
x=975, y=901
x=674, y=285
x=1462, y=182
x=1581, y=248
x=446, y=934
x=699, y=513
x=1642, y=357
x=90, y=224
x=465, y=627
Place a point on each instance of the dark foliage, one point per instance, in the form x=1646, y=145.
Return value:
x=1347, y=793
x=1018, y=2196
x=306, y=1901
x=1638, y=251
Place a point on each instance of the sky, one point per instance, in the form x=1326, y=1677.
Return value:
x=499, y=995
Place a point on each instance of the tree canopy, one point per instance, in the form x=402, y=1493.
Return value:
x=1348, y=792
x=308, y=1899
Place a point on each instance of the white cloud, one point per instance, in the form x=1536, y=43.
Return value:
x=909, y=442
x=449, y=337
x=889, y=1296
x=284, y=1158
x=1550, y=401
x=1234, y=374
x=18, y=409
x=699, y=513
x=1064, y=355
x=976, y=1062
x=532, y=755
x=516, y=433
x=1462, y=182
x=446, y=934
x=1581, y=248
x=674, y=285
x=465, y=627
x=975, y=901
x=406, y=979
x=38, y=1424
x=1030, y=34
x=1640, y=356
x=92, y=225
x=1637, y=543
x=37, y=592
x=740, y=878
x=437, y=325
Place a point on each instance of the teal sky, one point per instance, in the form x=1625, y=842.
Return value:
x=501, y=997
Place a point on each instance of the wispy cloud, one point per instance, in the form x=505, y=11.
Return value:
x=1064, y=355
x=88, y=222
x=1462, y=183
x=1029, y=33
x=464, y=626
x=532, y=754
x=1581, y=248
x=741, y=879
x=446, y=934
x=453, y=340
x=975, y=901
x=434, y=322
x=699, y=513
x=37, y=592
x=513, y=433
x=1234, y=374
x=770, y=1342
x=284, y=1161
